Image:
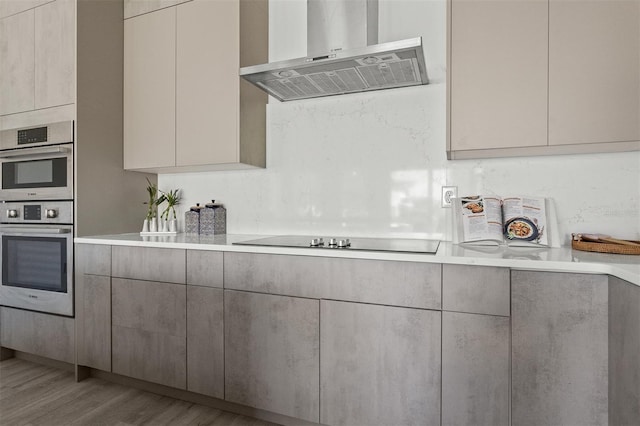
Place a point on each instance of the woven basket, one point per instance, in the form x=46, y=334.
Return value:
x=606, y=247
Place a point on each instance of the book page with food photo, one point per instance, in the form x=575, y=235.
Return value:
x=515, y=221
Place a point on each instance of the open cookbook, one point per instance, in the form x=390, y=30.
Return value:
x=515, y=221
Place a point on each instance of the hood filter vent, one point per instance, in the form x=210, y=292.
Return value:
x=375, y=67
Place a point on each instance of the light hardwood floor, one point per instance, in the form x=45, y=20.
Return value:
x=33, y=394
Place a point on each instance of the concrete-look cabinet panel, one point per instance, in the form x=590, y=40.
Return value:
x=624, y=352
x=205, y=341
x=149, y=331
x=17, y=50
x=204, y=268
x=93, y=313
x=408, y=284
x=146, y=263
x=559, y=348
x=476, y=289
x=475, y=369
x=380, y=365
x=93, y=259
x=272, y=353
x=55, y=52
x=49, y=336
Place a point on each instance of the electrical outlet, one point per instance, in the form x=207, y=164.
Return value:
x=448, y=192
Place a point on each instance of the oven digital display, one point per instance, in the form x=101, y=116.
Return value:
x=37, y=135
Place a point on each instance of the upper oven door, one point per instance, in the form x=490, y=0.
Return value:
x=41, y=173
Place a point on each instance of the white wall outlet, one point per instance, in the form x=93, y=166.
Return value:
x=448, y=192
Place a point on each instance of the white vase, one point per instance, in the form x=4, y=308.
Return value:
x=173, y=225
x=145, y=226
x=165, y=225
x=153, y=226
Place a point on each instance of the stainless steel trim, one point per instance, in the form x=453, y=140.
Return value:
x=57, y=133
x=34, y=152
x=33, y=230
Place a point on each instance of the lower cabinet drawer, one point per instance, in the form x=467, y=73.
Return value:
x=49, y=336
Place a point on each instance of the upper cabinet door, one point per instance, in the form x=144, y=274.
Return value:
x=55, y=54
x=594, y=71
x=207, y=82
x=150, y=90
x=17, y=63
x=11, y=7
x=499, y=59
x=138, y=7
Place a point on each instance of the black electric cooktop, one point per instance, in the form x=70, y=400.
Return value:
x=398, y=245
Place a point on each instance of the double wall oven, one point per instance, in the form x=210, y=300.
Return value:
x=36, y=218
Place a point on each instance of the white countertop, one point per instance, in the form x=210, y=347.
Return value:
x=626, y=267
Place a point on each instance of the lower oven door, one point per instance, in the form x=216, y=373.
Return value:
x=37, y=268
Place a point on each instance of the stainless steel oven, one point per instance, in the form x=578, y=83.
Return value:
x=37, y=256
x=37, y=162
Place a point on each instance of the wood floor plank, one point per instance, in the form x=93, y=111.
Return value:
x=36, y=395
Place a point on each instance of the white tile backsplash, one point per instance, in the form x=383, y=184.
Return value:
x=372, y=164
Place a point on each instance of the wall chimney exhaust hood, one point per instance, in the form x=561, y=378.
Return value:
x=343, y=56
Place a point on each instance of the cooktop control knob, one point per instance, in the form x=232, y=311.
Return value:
x=317, y=242
x=333, y=242
x=344, y=243
x=51, y=213
x=12, y=213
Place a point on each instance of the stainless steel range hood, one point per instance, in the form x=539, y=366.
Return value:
x=343, y=56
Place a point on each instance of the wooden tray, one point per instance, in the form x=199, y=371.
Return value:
x=605, y=247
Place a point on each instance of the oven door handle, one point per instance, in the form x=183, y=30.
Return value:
x=33, y=230
x=33, y=152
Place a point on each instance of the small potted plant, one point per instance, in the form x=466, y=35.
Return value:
x=172, y=197
x=151, y=222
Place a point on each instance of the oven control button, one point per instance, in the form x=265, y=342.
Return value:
x=316, y=242
x=344, y=243
x=12, y=213
x=51, y=213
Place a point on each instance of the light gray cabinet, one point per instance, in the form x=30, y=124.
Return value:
x=146, y=263
x=204, y=268
x=476, y=289
x=379, y=365
x=93, y=305
x=272, y=353
x=49, y=336
x=517, y=70
x=624, y=352
x=559, y=348
x=149, y=331
x=37, y=47
x=410, y=284
x=138, y=7
x=55, y=53
x=205, y=341
x=475, y=369
x=17, y=50
x=150, y=90
x=176, y=88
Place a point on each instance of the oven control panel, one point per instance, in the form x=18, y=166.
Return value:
x=47, y=212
